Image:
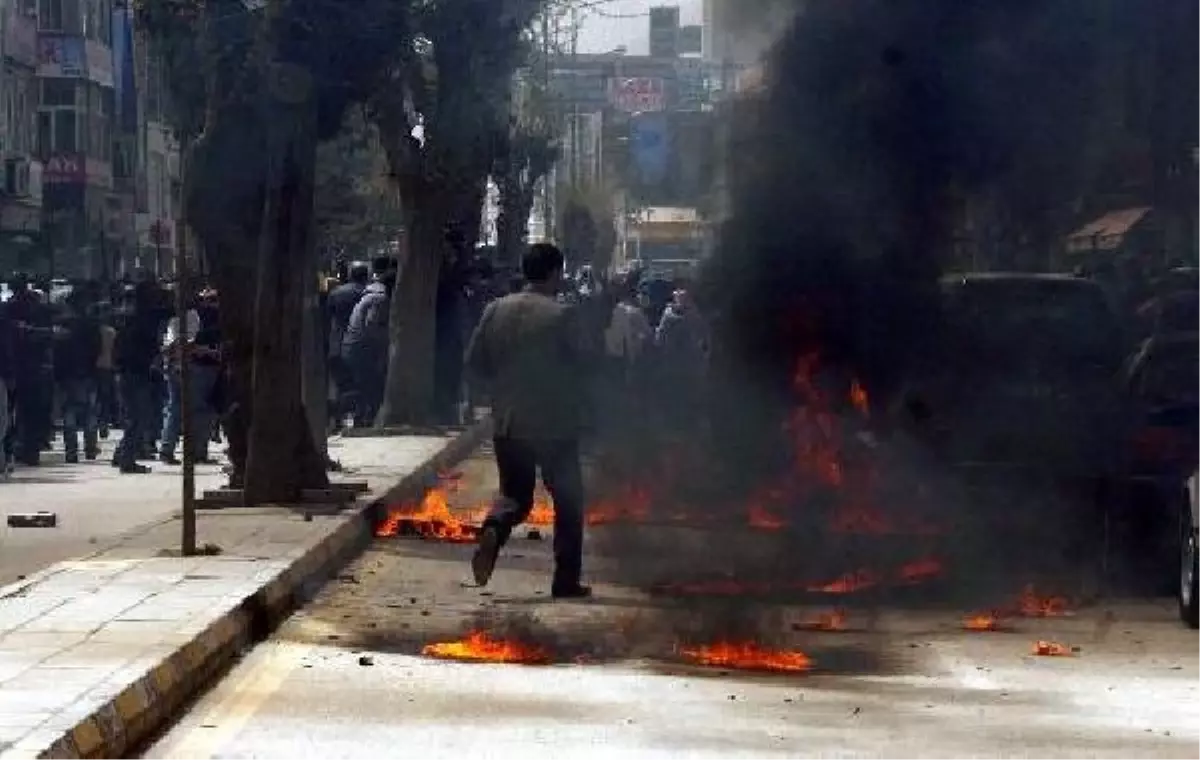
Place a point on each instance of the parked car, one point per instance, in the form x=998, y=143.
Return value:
x=1019, y=398
x=1162, y=380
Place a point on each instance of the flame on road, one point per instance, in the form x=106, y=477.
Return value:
x=848, y=583
x=479, y=647
x=430, y=519
x=746, y=656
x=982, y=622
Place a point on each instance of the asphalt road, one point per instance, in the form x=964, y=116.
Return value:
x=344, y=677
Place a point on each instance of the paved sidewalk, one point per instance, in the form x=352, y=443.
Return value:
x=95, y=505
x=96, y=653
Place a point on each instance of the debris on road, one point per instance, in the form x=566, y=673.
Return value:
x=366, y=661
x=1053, y=649
x=33, y=520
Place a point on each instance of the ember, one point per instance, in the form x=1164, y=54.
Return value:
x=479, y=647
x=1052, y=649
x=858, y=398
x=847, y=584
x=746, y=656
x=984, y=622
x=431, y=519
x=1032, y=605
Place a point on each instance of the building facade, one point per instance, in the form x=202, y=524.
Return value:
x=20, y=167
x=75, y=136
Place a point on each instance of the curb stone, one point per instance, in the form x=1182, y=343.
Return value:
x=147, y=704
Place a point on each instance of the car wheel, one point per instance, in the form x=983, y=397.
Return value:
x=1189, y=573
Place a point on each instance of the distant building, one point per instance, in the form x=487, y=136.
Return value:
x=20, y=167
x=75, y=135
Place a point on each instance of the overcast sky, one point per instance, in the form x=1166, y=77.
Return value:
x=600, y=34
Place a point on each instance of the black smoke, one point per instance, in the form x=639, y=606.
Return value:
x=878, y=124
x=878, y=119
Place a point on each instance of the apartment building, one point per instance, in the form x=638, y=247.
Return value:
x=20, y=169
x=74, y=134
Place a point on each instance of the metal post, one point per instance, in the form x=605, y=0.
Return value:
x=188, y=481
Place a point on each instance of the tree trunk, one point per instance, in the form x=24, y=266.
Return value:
x=412, y=325
x=283, y=458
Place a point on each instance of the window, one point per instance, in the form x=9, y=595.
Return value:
x=66, y=132
x=60, y=16
x=57, y=92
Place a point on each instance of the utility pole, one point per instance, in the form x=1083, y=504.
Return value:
x=182, y=345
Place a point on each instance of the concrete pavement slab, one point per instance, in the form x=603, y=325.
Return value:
x=108, y=655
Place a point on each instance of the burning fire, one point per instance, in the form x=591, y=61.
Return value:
x=542, y=513
x=632, y=506
x=479, y=647
x=848, y=583
x=1052, y=649
x=1032, y=605
x=746, y=656
x=431, y=519
x=982, y=622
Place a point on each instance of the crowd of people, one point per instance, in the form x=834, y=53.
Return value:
x=93, y=358
x=89, y=358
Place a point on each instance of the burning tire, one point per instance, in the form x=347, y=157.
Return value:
x=1189, y=565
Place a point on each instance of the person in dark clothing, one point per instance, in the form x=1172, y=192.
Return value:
x=528, y=350
x=136, y=351
x=365, y=347
x=77, y=344
x=33, y=375
x=340, y=305
x=206, y=374
x=7, y=344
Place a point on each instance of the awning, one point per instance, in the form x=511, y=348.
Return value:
x=1107, y=232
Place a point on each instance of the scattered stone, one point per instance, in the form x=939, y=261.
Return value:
x=366, y=661
x=20, y=577
x=787, y=700
x=33, y=520
x=424, y=613
x=412, y=600
x=732, y=697
x=348, y=579
x=856, y=711
x=333, y=637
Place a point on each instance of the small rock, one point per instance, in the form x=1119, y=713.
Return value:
x=333, y=637
x=366, y=661
x=412, y=600
x=1176, y=667
x=487, y=593
x=856, y=711
x=372, y=625
x=787, y=700
x=732, y=697
x=306, y=665
x=20, y=577
x=424, y=613
x=347, y=579
x=393, y=606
